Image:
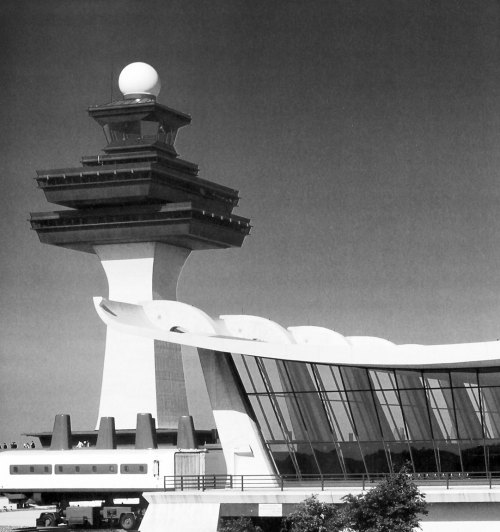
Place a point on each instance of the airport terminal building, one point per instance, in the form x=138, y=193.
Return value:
x=298, y=410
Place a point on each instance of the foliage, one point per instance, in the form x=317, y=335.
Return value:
x=394, y=505
x=314, y=516
x=242, y=524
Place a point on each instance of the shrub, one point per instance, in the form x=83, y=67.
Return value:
x=314, y=516
x=393, y=505
x=241, y=524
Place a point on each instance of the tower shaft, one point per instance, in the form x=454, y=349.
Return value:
x=142, y=375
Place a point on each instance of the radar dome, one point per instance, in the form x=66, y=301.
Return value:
x=139, y=79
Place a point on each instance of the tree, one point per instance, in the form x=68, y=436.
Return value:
x=314, y=516
x=394, y=505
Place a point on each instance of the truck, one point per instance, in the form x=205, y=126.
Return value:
x=116, y=516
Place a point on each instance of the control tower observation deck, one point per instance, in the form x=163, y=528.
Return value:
x=141, y=209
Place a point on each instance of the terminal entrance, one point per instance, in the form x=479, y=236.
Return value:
x=188, y=467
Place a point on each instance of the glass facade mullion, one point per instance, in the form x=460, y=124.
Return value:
x=390, y=413
x=437, y=456
x=388, y=433
x=481, y=406
x=467, y=407
x=324, y=400
x=396, y=388
x=483, y=426
x=362, y=403
x=468, y=416
x=340, y=386
x=491, y=402
x=329, y=413
x=383, y=428
x=400, y=403
x=304, y=448
x=353, y=422
x=270, y=395
x=430, y=414
x=278, y=414
x=442, y=407
x=250, y=378
x=453, y=405
x=421, y=442
x=345, y=405
x=418, y=418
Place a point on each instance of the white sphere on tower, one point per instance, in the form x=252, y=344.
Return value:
x=139, y=79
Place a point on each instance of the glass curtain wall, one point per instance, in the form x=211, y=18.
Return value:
x=325, y=419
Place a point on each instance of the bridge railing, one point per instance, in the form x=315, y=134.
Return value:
x=321, y=482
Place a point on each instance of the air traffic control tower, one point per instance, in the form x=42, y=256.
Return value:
x=142, y=210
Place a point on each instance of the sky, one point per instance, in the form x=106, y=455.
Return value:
x=363, y=137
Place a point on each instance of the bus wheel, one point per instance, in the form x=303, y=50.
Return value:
x=48, y=520
x=127, y=521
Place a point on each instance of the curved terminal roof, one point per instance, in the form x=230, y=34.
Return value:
x=176, y=322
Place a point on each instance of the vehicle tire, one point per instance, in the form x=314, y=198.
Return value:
x=48, y=520
x=127, y=521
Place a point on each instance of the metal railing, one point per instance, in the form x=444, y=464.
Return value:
x=321, y=482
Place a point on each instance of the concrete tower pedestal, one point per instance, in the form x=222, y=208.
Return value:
x=142, y=375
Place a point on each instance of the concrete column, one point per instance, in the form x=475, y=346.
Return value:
x=142, y=375
x=106, y=439
x=244, y=450
x=61, y=433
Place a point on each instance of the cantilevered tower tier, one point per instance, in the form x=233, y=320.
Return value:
x=111, y=180
x=177, y=224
